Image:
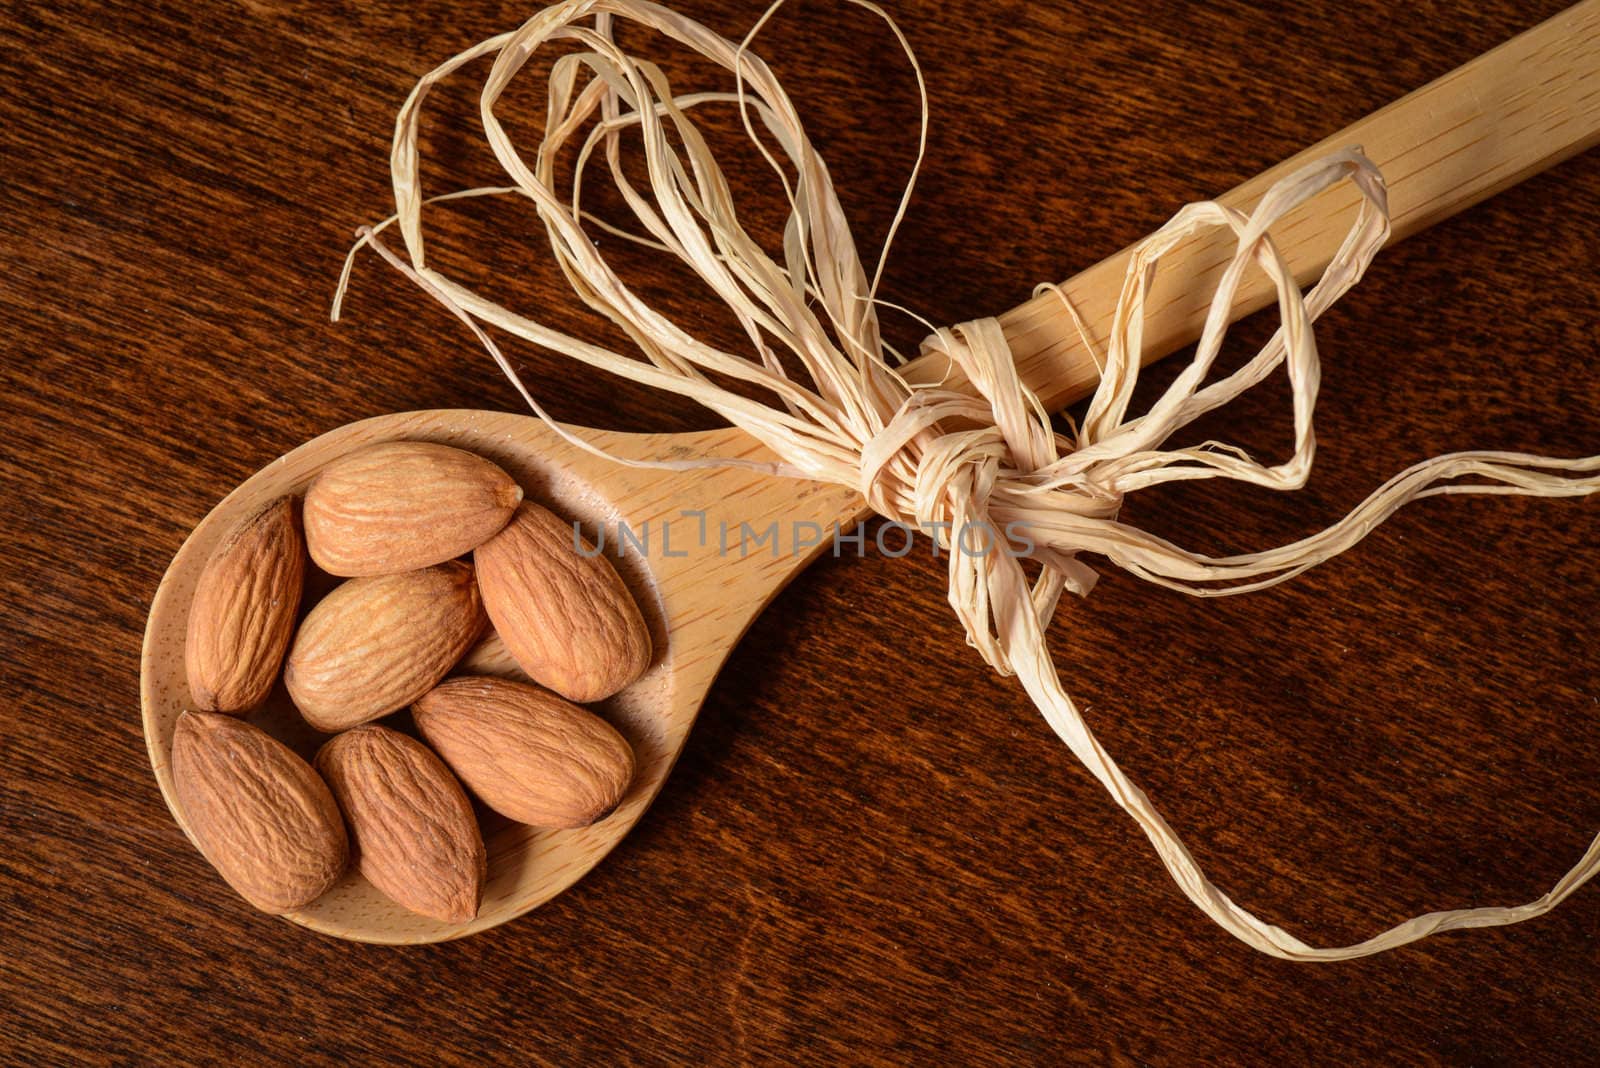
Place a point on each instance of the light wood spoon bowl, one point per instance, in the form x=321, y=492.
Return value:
x=1504, y=116
x=698, y=604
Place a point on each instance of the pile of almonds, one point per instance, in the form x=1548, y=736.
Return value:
x=396, y=520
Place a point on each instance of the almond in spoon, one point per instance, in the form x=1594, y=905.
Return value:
x=527, y=753
x=258, y=812
x=565, y=616
x=415, y=836
x=374, y=645
x=243, y=611
x=402, y=505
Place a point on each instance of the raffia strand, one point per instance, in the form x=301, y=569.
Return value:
x=926, y=454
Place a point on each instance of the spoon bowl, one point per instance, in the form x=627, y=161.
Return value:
x=686, y=544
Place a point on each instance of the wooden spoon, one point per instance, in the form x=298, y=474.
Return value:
x=1526, y=105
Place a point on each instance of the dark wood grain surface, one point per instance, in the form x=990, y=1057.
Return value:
x=873, y=849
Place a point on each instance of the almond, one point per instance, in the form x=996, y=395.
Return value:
x=403, y=505
x=415, y=836
x=491, y=657
x=564, y=615
x=374, y=645
x=257, y=811
x=527, y=753
x=243, y=611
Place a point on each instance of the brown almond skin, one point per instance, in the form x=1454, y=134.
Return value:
x=491, y=657
x=258, y=812
x=244, y=609
x=566, y=618
x=412, y=827
x=403, y=505
x=528, y=754
x=374, y=645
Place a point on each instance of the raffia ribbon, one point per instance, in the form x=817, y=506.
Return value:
x=928, y=455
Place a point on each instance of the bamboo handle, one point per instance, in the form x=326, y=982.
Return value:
x=1527, y=105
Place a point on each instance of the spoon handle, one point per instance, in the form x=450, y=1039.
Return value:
x=1502, y=117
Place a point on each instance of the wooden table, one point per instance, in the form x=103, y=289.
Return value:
x=873, y=849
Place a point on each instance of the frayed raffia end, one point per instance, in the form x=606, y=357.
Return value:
x=853, y=420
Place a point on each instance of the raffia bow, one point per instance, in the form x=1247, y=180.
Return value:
x=938, y=458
